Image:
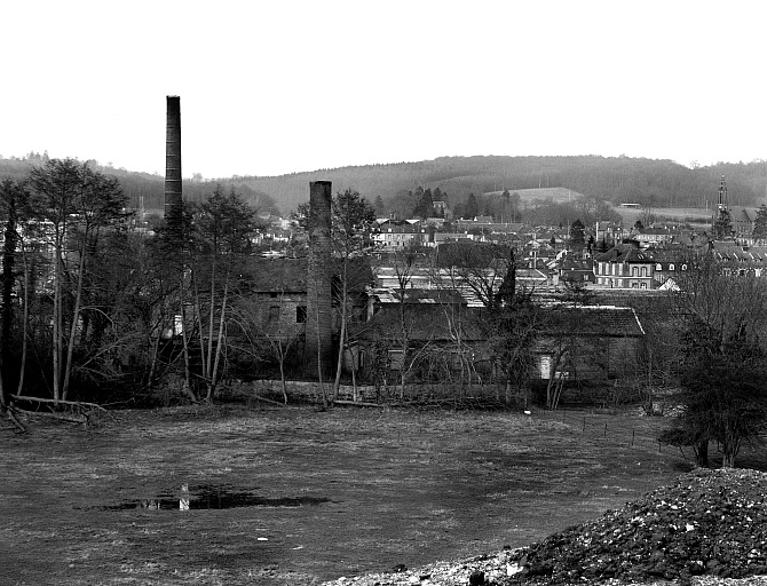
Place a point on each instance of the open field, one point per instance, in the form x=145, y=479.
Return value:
x=534, y=196
x=375, y=488
x=696, y=215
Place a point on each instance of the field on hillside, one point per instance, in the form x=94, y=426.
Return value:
x=296, y=496
x=693, y=215
x=530, y=197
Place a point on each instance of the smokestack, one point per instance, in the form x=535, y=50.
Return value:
x=173, y=198
x=319, y=343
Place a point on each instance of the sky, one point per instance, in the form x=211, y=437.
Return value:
x=272, y=87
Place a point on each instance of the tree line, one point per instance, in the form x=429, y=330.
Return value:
x=96, y=307
x=656, y=183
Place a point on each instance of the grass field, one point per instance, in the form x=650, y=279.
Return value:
x=379, y=488
x=692, y=215
x=531, y=197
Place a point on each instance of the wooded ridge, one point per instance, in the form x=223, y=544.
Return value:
x=658, y=183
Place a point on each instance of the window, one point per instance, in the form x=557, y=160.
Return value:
x=684, y=267
x=644, y=271
x=658, y=267
x=274, y=313
x=300, y=314
x=643, y=285
x=634, y=271
x=396, y=359
x=671, y=266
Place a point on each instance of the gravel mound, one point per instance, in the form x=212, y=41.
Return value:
x=709, y=528
x=710, y=522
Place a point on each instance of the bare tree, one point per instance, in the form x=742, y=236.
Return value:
x=724, y=326
x=75, y=201
x=351, y=221
x=221, y=230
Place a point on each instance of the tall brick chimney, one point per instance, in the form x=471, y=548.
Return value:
x=173, y=197
x=319, y=330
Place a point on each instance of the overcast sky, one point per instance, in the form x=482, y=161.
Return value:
x=276, y=86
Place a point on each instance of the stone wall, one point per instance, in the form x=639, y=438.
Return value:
x=311, y=392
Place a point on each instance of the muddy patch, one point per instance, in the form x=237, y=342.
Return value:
x=208, y=497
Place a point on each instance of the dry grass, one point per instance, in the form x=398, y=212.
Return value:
x=631, y=215
x=405, y=487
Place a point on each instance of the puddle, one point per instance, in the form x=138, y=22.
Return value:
x=212, y=497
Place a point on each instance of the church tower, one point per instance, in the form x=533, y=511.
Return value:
x=722, y=224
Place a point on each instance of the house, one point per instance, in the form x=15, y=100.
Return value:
x=667, y=264
x=738, y=260
x=609, y=233
x=574, y=343
x=588, y=342
x=576, y=270
x=425, y=321
x=399, y=234
x=276, y=295
x=653, y=236
x=624, y=266
x=742, y=221
x=274, y=292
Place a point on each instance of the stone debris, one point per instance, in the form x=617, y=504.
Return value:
x=481, y=570
x=710, y=522
x=708, y=528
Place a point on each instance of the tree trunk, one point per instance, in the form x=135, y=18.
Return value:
x=153, y=363
x=701, y=453
x=75, y=319
x=9, y=260
x=219, y=342
x=57, y=310
x=281, y=358
x=342, y=336
x=211, y=323
x=341, y=341
x=198, y=317
x=185, y=346
x=24, y=326
x=354, y=378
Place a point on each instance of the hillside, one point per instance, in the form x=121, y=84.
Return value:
x=618, y=179
x=660, y=183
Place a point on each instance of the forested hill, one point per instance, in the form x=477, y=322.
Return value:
x=146, y=186
x=618, y=179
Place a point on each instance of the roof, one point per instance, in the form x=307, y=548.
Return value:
x=591, y=320
x=423, y=322
x=576, y=264
x=624, y=253
x=470, y=254
x=288, y=275
x=433, y=322
x=423, y=296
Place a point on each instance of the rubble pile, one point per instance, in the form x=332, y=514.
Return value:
x=710, y=522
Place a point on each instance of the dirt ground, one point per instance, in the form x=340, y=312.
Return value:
x=376, y=488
